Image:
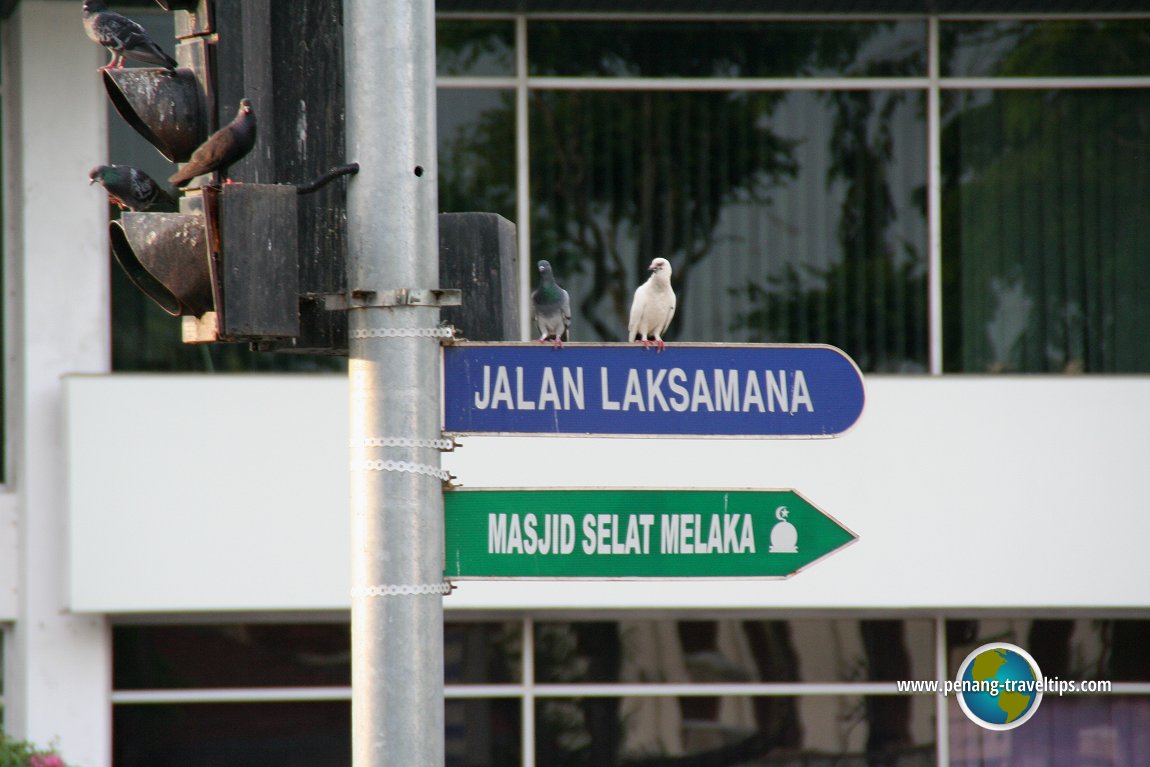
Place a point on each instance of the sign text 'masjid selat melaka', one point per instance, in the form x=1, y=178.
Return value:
x=634, y=533
x=615, y=534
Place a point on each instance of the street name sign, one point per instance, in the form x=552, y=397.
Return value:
x=634, y=534
x=688, y=390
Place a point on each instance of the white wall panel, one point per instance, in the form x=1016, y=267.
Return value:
x=979, y=492
x=195, y=493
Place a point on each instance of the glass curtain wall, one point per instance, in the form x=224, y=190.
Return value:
x=638, y=692
x=784, y=169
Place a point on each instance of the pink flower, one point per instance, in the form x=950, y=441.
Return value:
x=46, y=760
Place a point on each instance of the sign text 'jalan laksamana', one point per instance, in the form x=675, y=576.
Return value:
x=700, y=390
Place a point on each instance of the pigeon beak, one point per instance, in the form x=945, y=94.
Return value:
x=91, y=181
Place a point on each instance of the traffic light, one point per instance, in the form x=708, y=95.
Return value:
x=260, y=262
x=166, y=256
x=227, y=262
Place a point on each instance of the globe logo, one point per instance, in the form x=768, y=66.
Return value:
x=999, y=686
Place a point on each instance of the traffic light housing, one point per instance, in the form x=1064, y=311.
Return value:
x=248, y=292
x=166, y=256
x=262, y=262
x=227, y=262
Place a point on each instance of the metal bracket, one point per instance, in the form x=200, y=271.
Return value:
x=371, y=299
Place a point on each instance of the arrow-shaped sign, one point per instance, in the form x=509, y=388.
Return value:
x=635, y=533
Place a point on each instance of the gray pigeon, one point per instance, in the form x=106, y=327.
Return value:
x=653, y=306
x=226, y=146
x=552, y=308
x=130, y=187
x=124, y=38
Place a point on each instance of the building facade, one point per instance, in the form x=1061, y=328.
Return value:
x=952, y=193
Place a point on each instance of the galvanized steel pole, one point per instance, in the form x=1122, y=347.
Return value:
x=396, y=490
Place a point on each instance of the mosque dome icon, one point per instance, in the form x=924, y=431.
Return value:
x=784, y=535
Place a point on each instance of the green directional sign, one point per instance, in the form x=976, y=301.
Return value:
x=635, y=534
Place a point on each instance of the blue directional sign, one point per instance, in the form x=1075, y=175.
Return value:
x=688, y=390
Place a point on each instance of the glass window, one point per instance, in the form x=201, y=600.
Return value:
x=1069, y=731
x=483, y=733
x=477, y=151
x=1069, y=649
x=731, y=651
x=819, y=730
x=289, y=655
x=236, y=655
x=1045, y=233
x=292, y=734
x=478, y=733
x=482, y=653
x=475, y=48
x=726, y=49
x=787, y=216
x=1047, y=48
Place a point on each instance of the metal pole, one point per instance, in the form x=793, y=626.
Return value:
x=396, y=491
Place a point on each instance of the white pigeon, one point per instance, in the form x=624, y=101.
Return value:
x=653, y=306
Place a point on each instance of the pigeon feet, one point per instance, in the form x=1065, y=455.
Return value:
x=648, y=343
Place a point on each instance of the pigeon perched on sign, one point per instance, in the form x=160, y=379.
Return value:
x=552, y=308
x=226, y=146
x=130, y=188
x=124, y=38
x=653, y=306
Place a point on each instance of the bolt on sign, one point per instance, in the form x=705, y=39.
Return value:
x=634, y=534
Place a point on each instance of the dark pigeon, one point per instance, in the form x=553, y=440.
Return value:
x=124, y=38
x=552, y=308
x=226, y=146
x=130, y=188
